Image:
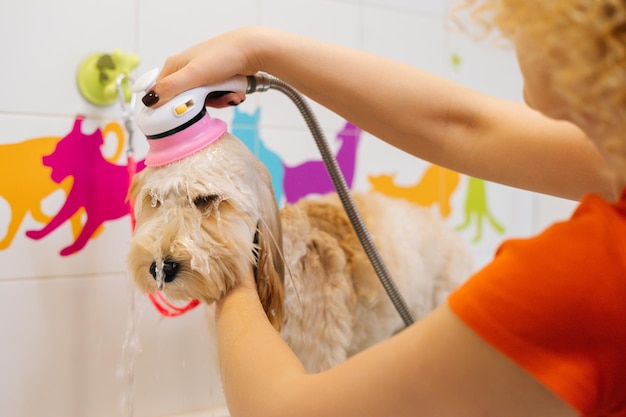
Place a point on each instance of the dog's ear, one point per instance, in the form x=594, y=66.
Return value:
x=270, y=266
x=269, y=242
x=134, y=188
x=131, y=197
x=269, y=279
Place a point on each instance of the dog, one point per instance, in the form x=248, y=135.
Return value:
x=203, y=222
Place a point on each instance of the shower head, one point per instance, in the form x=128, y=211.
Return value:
x=182, y=126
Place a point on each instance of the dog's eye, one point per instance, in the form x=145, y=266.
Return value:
x=203, y=202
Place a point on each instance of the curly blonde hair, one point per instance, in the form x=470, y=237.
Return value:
x=583, y=42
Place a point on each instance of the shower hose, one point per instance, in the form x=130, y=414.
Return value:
x=263, y=82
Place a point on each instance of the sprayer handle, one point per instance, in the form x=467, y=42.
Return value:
x=180, y=110
x=238, y=84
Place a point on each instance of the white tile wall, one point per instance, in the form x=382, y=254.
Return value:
x=413, y=39
x=165, y=28
x=63, y=320
x=42, y=44
x=425, y=7
x=62, y=345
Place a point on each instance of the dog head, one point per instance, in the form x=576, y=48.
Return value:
x=203, y=222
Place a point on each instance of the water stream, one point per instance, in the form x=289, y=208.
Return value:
x=130, y=350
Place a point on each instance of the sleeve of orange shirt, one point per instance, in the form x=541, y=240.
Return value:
x=556, y=304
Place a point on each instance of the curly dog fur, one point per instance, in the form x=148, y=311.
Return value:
x=204, y=221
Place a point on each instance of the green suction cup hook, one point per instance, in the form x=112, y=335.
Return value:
x=98, y=73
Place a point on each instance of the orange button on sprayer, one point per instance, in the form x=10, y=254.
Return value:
x=181, y=109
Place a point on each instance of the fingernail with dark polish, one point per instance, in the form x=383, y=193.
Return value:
x=150, y=99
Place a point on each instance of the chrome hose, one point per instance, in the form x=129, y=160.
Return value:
x=263, y=82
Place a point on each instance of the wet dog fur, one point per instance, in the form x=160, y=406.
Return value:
x=204, y=221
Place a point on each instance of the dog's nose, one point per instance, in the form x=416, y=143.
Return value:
x=170, y=269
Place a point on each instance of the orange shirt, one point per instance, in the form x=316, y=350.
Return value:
x=556, y=304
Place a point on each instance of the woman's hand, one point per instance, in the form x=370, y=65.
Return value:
x=207, y=63
x=246, y=289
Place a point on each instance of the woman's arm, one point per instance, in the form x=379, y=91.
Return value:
x=437, y=367
x=423, y=114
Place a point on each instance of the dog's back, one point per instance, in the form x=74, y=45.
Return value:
x=335, y=304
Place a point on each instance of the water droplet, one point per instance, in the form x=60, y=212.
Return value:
x=156, y=198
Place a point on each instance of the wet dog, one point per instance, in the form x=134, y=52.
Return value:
x=204, y=221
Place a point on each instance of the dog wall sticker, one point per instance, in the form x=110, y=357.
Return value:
x=99, y=186
x=246, y=127
x=311, y=177
x=22, y=162
x=21, y=167
x=476, y=208
x=436, y=186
